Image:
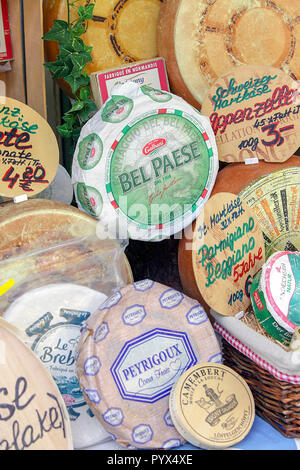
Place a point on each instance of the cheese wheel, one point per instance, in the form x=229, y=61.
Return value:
x=245, y=180
x=201, y=40
x=120, y=32
x=133, y=350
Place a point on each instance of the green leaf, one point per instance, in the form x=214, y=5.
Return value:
x=86, y=13
x=59, y=32
x=88, y=108
x=78, y=29
x=85, y=93
x=65, y=130
x=76, y=82
x=80, y=59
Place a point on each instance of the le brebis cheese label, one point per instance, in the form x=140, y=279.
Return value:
x=134, y=348
x=228, y=249
x=255, y=113
x=147, y=160
x=33, y=414
x=29, y=154
x=212, y=406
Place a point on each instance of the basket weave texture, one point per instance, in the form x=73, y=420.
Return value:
x=276, y=401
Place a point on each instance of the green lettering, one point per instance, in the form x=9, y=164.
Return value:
x=135, y=178
x=195, y=150
x=156, y=164
x=125, y=182
x=168, y=165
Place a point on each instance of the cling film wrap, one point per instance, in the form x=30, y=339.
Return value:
x=146, y=159
x=48, y=295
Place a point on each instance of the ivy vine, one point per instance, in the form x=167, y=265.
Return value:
x=70, y=65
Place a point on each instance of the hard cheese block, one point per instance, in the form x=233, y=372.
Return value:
x=119, y=32
x=33, y=414
x=134, y=348
x=145, y=164
x=272, y=191
x=201, y=40
x=50, y=318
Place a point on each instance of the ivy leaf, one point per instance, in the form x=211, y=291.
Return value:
x=80, y=59
x=76, y=81
x=84, y=93
x=86, y=13
x=78, y=29
x=88, y=108
x=59, y=32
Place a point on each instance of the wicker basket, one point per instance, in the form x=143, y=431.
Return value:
x=276, y=401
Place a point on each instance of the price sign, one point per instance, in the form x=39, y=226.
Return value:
x=228, y=250
x=255, y=113
x=29, y=154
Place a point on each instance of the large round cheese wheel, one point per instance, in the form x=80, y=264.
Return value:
x=249, y=181
x=203, y=39
x=119, y=32
x=134, y=349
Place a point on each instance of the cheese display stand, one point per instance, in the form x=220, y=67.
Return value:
x=150, y=228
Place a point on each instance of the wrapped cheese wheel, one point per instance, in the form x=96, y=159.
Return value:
x=145, y=164
x=272, y=191
x=136, y=345
x=201, y=40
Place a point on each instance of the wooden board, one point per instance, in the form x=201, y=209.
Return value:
x=33, y=415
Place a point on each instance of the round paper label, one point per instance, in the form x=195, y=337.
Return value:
x=228, y=249
x=212, y=406
x=29, y=154
x=255, y=113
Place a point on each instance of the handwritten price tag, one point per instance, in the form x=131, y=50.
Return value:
x=29, y=154
x=255, y=113
x=228, y=249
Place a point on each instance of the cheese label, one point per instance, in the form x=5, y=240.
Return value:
x=266, y=320
x=33, y=414
x=212, y=406
x=255, y=113
x=173, y=167
x=158, y=165
x=280, y=283
x=275, y=199
x=90, y=199
x=117, y=109
x=29, y=154
x=90, y=151
x=228, y=249
x=147, y=366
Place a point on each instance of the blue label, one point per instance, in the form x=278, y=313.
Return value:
x=170, y=298
x=196, y=315
x=142, y=434
x=144, y=285
x=134, y=315
x=147, y=366
x=113, y=416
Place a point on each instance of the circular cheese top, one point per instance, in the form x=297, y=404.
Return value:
x=212, y=37
x=147, y=159
x=280, y=283
x=51, y=318
x=212, y=406
x=33, y=414
x=135, y=347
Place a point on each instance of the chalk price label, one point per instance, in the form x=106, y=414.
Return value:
x=255, y=113
x=228, y=249
x=29, y=154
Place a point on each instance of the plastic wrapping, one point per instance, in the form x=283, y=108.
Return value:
x=51, y=292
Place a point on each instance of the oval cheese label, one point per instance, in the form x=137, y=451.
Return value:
x=33, y=414
x=29, y=154
x=255, y=113
x=228, y=249
x=157, y=166
x=212, y=406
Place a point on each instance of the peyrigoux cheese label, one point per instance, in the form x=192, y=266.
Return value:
x=146, y=159
x=212, y=406
x=135, y=347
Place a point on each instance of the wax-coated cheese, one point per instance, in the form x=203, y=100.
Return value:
x=145, y=164
x=134, y=348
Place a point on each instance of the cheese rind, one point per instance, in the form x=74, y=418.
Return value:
x=135, y=347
